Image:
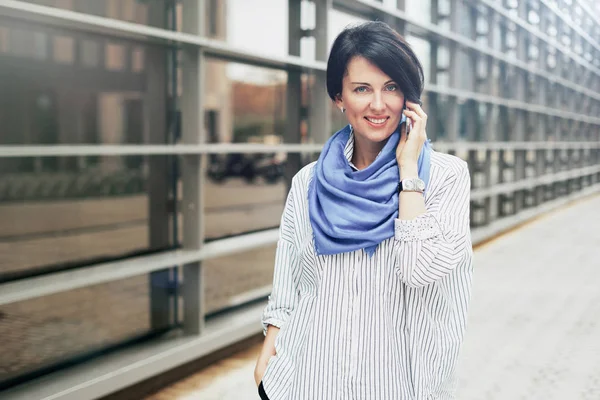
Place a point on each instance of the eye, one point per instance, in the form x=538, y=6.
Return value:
x=391, y=87
x=361, y=89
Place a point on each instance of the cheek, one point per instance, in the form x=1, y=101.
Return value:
x=396, y=104
x=357, y=106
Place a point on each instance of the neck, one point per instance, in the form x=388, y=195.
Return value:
x=365, y=152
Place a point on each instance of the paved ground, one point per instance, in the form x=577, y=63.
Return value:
x=534, y=325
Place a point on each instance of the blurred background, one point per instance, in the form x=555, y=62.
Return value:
x=146, y=148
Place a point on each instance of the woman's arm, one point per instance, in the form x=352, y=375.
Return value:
x=431, y=242
x=286, y=278
x=413, y=203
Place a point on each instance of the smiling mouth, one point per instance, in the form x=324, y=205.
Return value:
x=377, y=121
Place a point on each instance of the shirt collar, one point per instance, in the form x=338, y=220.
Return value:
x=349, y=149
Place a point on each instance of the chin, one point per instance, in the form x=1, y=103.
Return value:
x=376, y=135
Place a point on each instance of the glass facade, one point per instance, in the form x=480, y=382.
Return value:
x=59, y=213
x=66, y=88
x=123, y=10
x=232, y=279
x=42, y=333
x=511, y=87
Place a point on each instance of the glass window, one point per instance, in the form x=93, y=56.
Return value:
x=101, y=94
x=213, y=17
x=140, y=12
x=419, y=10
x=49, y=330
x=443, y=62
x=337, y=22
x=258, y=25
x=244, y=104
x=60, y=212
x=248, y=103
x=422, y=49
x=236, y=203
x=235, y=278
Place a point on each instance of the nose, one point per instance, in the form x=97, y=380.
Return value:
x=377, y=103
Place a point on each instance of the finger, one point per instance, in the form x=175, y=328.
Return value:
x=417, y=133
x=416, y=108
x=412, y=115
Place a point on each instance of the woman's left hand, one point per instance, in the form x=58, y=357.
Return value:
x=410, y=145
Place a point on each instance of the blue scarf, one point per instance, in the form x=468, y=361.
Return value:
x=351, y=210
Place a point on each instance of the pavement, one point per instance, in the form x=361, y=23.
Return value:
x=534, y=321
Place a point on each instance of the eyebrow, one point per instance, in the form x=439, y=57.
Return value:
x=367, y=84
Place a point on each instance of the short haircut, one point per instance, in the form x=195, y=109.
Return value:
x=377, y=42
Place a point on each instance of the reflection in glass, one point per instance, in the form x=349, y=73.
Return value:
x=60, y=212
x=258, y=25
x=48, y=330
x=234, y=278
x=125, y=10
x=337, y=21
x=422, y=49
x=244, y=104
x=72, y=211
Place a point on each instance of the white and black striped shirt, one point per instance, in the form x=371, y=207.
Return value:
x=386, y=327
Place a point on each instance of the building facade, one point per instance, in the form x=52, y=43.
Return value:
x=146, y=147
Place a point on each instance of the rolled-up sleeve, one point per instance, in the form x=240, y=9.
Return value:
x=286, y=276
x=431, y=246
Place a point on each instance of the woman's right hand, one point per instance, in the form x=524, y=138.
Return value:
x=268, y=351
x=259, y=370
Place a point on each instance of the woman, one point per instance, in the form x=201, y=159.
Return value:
x=373, y=265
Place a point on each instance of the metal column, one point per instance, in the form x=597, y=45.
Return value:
x=294, y=92
x=193, y=167
x=320, y=121
x=434, y=120
x=453, y=116
x=155, y=105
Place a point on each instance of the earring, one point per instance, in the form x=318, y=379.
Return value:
x=343, y=110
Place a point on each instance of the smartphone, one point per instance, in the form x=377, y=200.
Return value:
x=408, y=121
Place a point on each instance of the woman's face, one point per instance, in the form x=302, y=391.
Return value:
x=373, y=101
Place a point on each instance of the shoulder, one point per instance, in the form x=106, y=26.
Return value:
x=448, y=166
x=448, y=171
x=303, y=177
x=301, y=181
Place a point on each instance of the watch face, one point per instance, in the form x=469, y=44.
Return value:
x=413, y=185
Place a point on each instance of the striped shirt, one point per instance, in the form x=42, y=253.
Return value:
x=386, y=327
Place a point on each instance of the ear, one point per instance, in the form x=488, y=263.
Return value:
x=339, y=103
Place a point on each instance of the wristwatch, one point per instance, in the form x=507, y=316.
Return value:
x=411, y=185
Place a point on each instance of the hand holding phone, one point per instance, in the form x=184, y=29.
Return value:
x=409, y=147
